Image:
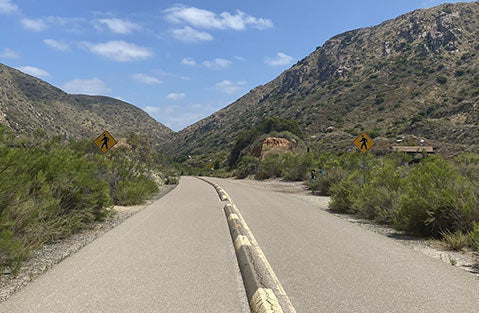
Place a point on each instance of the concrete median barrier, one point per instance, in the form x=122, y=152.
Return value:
x=263, y=289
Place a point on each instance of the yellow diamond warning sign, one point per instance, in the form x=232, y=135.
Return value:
x=105, y=141
x=363, y=142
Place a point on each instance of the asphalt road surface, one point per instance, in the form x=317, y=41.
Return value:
x=176, y=256
x=327, y=264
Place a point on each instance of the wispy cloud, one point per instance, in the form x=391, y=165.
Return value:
x=146, y=79
x=117, y=25
x=9, y=54
x=176, y=96
x=188, y=61
x=57, y=45
x=94, y=86
x=280, y=59
x=229, y=87
x=34, y=71
x=189, y=34
x=200, y=18
x=36, y=25
x=7, y=6
x=119, y=50
x=217, y=64
x=69, y=24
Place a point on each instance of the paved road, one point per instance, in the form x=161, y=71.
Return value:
x=326, y=264
x=174, y=256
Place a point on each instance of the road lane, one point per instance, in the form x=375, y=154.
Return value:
x=174, y=256
x=326, y=264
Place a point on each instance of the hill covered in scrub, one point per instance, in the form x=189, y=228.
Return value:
x=28, y=103
x=413, y=77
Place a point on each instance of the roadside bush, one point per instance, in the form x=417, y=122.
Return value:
x=342, y=193
x=247, y=166
x=475, y=236
x=270, y=167
x=379, y=198
x=50, y=189
x=297, y=166
x=323, y=183
x=45, y=195
x=435, y=199
x=136, y=190
x=456, y=241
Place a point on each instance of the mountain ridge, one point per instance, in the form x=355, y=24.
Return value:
x=414, y=76
x=29, y=103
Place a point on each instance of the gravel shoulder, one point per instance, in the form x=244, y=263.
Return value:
x=51, y=254
x=467, y=259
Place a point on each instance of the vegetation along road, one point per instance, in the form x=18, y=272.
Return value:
x=177, y=256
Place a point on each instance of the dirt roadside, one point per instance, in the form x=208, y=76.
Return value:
x=52, y=254
x=467, y=259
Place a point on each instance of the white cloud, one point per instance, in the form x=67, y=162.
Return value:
x=190, y=35
x=119, y=50
x=9, y=54
x=281, y=59
x=34, y=71
x=37, y=25
x=217, y=64
x=94, y=86
x=188, y=61
x=239, y=58
x=6, y=6
x=229, y=87
x=117, y=25
x=146, y=79
x=57, y=45
x=70, y=24
x=176, y=96
x=180, y=14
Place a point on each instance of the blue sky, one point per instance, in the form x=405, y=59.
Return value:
x=179, y=61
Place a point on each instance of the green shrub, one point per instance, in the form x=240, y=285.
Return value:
x=136, y=190
x=46, y=193
x=441, y=80
x=379, y=198
x=475, y=236
x=270, y=167
x=343, y=193
x=297, y=166
x=172, y=180
x=456, y=241
x=50, y=189
x=247, y=166
x=323, y=182
x=435, y=199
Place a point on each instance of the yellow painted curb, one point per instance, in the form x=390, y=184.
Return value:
x=264, y=301
x=241, y=241
x=233, y=217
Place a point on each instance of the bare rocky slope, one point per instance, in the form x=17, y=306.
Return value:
x=413, y=77
x=28, y=103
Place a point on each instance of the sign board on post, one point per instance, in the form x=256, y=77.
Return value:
x=105, y=141
x=364, y=143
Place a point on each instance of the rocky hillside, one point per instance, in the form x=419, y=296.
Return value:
x=414, y=77
x=28, y=103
